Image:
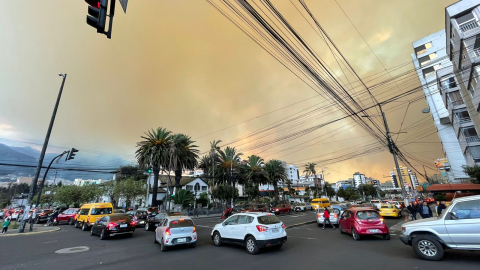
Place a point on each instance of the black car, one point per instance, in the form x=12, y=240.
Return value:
x=41, y=216
x=116, y=224
x=153, y=221
x=138, y=216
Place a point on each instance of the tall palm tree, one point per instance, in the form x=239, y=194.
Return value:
x=275, y=173
x=183, y=155
x=153, y=152
x=214, y=149
x=228, y=161
x=310, y=170
x=254, y=171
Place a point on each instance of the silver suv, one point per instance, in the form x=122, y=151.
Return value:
x=457, y=228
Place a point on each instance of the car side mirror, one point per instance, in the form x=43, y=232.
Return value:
x=453, y=215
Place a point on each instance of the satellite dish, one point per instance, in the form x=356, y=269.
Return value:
x=426, y=110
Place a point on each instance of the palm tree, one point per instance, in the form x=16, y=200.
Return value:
x=310, y=170
x=228, y=160
x=254, y=171
x=275, y=173
x=214, y=149
x=153, y=153
x=183, y=156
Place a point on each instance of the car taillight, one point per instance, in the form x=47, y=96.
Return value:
x=88, y=219
x=194, y=229
x=358, y=220
x=111, y=225
x=381, y=220
x=319, y=215
x=335, y=216
x=133, y=223
x=261, y=228
x=43, y=214
x=394, y=211
x=167, y=231
x=283, y=226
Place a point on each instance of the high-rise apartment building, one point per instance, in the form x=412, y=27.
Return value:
x=462, y=37
x=409, y=178
x=434, y=70
x=359, y=179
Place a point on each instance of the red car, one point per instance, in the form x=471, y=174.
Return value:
x=281, y=208
x=254, y=208
x=363, y=221
x=68, y=216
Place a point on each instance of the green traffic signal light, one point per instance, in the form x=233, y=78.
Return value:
x=149, y=170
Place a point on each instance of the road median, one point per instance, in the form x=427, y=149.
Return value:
x=36, y=230
x=300, y=224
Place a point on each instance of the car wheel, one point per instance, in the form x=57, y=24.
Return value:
x=147, y=226
x=163, y=248
x=386, y=236
x=251, y=245
x=281, y=213
x=340, y=229
x=427, y=248
x=91, y=231
x=70, y=221
x=84, y=226
x=103, y=236
x=155, y=238
x=217, y=239
x=355, y=235
x=75, y=225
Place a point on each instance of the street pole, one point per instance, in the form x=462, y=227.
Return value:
x=231, y=179
x=390, y=145
x=42, y=154
x=45, y=176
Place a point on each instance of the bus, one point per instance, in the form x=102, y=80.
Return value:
x=320, y=203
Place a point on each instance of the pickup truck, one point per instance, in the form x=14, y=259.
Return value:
x=457, y=228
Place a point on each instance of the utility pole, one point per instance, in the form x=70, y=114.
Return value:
x=55, y=178
x=231, y=179
x=45, y=176
x=392, y=150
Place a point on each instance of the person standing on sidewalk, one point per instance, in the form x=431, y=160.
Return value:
x=441, y=208
x=413, y=210
x=405, y=212
x=425, y=211
x=326, y=217
x=6, y=223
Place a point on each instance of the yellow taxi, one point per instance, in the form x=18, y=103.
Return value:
x=90, y=212
x=320, y=203
x=389, y=210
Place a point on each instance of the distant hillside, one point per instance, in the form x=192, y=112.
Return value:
x=82, y=161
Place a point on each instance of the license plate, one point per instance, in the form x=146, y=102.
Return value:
x=374, y=231
x=181, y=240
x=123, y=225
x=275, y=230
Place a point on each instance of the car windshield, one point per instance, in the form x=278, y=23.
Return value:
x=101, y=211
x=268, y=219
x=181, y=223
x=367, y=215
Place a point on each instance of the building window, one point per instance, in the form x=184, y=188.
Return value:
x=455, y=98
x=475, y=152
x=426, y=59
x=462, y=116
x=449, y=83
x=467, y=22
x=423, y=48
x=470, y=134
x=204, y=188
x=188, y=187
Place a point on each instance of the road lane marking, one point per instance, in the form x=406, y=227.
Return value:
x=50, y=242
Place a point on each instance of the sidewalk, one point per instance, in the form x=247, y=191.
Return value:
x=37, y=228
x=205, y=216
x=397, y=227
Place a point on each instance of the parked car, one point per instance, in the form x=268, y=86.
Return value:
x=363, y=221
x=60, y=209
x=119, y=211
x=389, y=210
x=90, y=212
x=395, y=203
x=281, y=208
x=17, y=213
x=254, y=208
x=112, y=225
x=334, y=214
x=152, y=222
x=139, y=216
x=376, y=203
x=41, y=216
x=176, y=230
x=67, y=216
x=257, y=230
x=340, y=208
x=457, y=228
x=303, y=207
x=151, y=211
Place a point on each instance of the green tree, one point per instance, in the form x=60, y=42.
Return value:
x=224, y=192
x=130, y=189
x=153, y=152
x=68, y=195
x=183, y=155
x=130, y=171
x=473, y=172
x=184, y=198
x=251, y=190
x=228, y=162
x=275, y=173
x=309, y=171
x=329, y=190
x=203, y=199
x=90, y=193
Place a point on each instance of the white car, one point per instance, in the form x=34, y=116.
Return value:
x=334, y=214
x=176, y=230
x=253, y=230
x=303, y=207
x=396, y=203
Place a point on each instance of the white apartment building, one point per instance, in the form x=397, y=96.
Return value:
x=293, y=173
x=359, y=179
x=80, y=182
x=434, y=71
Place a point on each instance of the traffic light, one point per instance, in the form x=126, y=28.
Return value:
x=97, y=14
x=149, y=170
x=71, y=154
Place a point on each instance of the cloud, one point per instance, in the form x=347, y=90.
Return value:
x=381, y=37
x=6, y=130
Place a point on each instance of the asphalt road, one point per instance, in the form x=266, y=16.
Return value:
x=308, y=247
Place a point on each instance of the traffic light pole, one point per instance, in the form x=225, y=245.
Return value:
x=45, y=176
x=110, y=23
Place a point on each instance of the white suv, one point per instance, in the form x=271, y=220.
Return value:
x=176, y=230
x=252, y=230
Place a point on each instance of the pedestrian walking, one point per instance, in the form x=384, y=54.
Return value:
x=413, y=210
x=195, y=212
x=6, y=223
x=425, y=211
x=326, y=217
x=436, y=207
x=441, y=208
x=405, y=212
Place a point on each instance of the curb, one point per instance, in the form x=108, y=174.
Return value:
x=397, y=227
x=300, y=224
x=29, y=233
x=211, y=216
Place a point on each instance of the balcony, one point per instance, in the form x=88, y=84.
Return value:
x=468, y=26
x=472, y=139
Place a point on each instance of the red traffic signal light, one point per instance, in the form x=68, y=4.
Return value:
x=97, y=14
